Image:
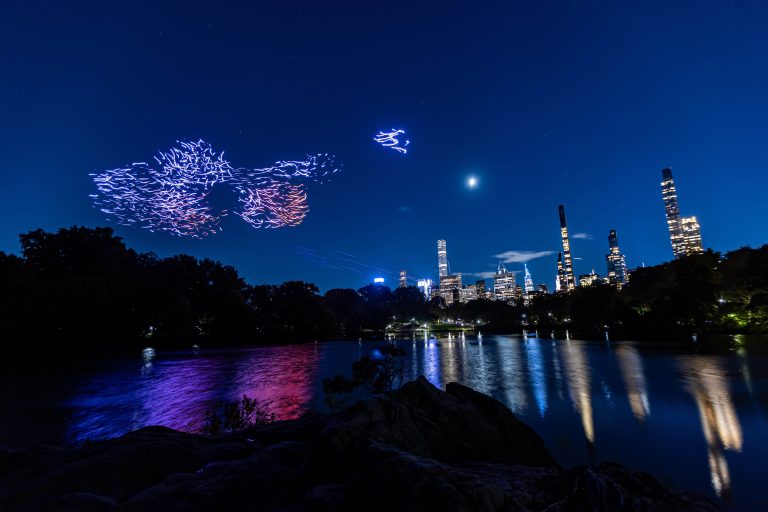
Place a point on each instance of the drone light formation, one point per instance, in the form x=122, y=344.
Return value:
x=390, y=140
x=172, y=196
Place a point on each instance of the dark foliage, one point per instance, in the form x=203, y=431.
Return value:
x=369, y=374
x=236, y=416
x=83, y=289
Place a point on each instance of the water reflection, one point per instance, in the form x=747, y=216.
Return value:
x=577, y=374
x=707, y=383
x=512, y=374
x=177, y=393
x=284, y=383
x=631, y=367
x=449, y=361
x=545, y=382
x=432, y=362
x=538, y=374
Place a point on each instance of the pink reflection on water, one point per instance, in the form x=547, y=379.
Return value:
x=177, y=392
x=282, y=380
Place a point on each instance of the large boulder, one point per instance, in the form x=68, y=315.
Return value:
x=457, y=425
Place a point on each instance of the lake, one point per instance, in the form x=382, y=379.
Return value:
x=694, y=416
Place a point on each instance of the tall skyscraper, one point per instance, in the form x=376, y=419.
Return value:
x=504, y=284
x=560, y=279
x=528, y=279
x=469, y=293
x=684, y=233
x=403, y=279
x=442, y=258
x=450, y=288
x=481, y=291
x=691, y=234
x=570, y=282
x=615, y=261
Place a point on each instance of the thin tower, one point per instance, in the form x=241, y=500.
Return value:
x=560, y=280
x=672, y=209
x=570, y=282
x=615, y=261
x=528, y=279
x=442, y=258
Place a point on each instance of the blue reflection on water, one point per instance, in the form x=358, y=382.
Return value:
x=537, y=373
x=695, y=420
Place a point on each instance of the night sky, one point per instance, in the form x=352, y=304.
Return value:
x=580, y=103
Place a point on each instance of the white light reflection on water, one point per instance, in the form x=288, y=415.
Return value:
x=707, y=382
x=577, y=375
x=634, y=379
x=663, y=401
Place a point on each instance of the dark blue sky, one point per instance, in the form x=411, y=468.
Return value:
x=545, y=102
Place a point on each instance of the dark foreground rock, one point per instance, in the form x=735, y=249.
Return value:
x=416, y=449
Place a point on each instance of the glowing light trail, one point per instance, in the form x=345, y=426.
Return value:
x=390, y=140
x=172, y=197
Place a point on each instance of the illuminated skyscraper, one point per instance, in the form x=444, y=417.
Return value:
x=442, y=258
x=450, y=288
x=589, y=279
x=528, y=279
x=504, y=284
x=425, y=285
x=684, y=233
x=615, y=261
x=403, y=279
x=570, y=283
x=469, y=293
x=691, y=234
x=481, y=291
x=560, y=279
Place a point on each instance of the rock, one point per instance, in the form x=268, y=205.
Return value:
x=415, y=449
x=458, y=425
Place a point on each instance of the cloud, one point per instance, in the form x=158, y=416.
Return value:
x=522, y=256
x=582, y=236
x=404, y=209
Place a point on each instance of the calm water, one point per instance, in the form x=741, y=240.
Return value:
x=695, y=417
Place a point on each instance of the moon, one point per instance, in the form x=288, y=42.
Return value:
x=472, y=182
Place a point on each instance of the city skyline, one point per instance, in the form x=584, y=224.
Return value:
x=489, y=155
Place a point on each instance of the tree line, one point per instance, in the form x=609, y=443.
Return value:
x=82, y=288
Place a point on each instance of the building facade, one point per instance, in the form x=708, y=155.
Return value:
x=469, y=293
x=691, y=235
x=442, y=258
x=528, y=279
x=425, y=285
x=615, y=262
x=504, y=284
x=482, y=292
x=403, y=279
x=684, y=232
x=450, y=288
x=560, y=279
x=569, y=283
x=589, y=279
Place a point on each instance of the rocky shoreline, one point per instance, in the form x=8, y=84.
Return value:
x=414, y=449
